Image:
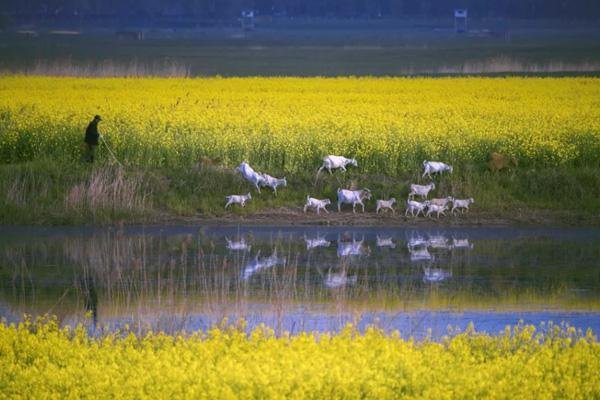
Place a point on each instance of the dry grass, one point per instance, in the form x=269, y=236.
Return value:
x=109, y=68
x=110, y=188
x=511, y=65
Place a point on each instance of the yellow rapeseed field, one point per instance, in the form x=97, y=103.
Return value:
x=287, y=124
x=41, y=360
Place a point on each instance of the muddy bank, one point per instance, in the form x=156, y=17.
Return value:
x=292, y=216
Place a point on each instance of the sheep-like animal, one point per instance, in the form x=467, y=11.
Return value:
x=445, y=202
x=434, y=208
x=318, y=204
x=240, y=199
x=251, y=175
x=273, y=182
x=420, y=190
x=334, y=162
x=386, y=204
x=435, y=167
x=412, y=206
x=353, y=197
x=462, y=204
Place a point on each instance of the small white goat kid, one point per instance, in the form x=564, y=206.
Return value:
x=317, y=204
x=240, y=199
x=420, y=190
x=386, y=204
x=434, y=208
x=413, y=206
x=251, y=175
x=435, y=167
x=334, y=162
x=353, y=197
x=442, y=202
x=272, y=182
x=462, y=204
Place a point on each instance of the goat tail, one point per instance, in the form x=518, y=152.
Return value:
x=424, y=162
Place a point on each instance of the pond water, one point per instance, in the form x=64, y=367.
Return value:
x=418, y=281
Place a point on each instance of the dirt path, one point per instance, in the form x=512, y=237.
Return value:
x=288, y=216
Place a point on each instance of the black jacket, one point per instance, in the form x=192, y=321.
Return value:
x=91, y=134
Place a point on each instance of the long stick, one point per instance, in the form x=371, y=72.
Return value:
x=110, y=151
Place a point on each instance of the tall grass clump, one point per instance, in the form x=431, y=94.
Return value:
x=109, y=69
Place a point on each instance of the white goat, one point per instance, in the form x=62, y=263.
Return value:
x=251, y=175
x=433, y=208
x=334, y=162
x=435, y=167
x=353, y=197
x=240, y=245
x=272, y=182
x=462, y=204
x=238, y=199
x=442, y=202
x=383, y=204
x=318, y=204
x=420, y=190
x=413, y=206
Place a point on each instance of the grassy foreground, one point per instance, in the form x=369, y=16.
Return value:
x=40, y=360
x=180, y=139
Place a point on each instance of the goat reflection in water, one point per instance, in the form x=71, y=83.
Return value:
x=439, y=242
x=352, y=248
x=418, y=254
x=259, y=264
x=435, y=274
x=239, y=245
x=461, y=244
x=319, y=241
x=385, y=242
x=335, y=280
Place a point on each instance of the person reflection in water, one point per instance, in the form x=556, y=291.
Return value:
x=90, y=298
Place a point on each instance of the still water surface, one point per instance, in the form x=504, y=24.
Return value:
x=417, y=281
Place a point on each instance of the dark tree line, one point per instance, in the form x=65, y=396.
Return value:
x=226, y=9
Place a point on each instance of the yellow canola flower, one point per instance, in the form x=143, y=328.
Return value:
x=289, y=124
x=41, y=360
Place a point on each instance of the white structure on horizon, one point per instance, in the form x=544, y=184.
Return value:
x=460, y=20
x=247, y=20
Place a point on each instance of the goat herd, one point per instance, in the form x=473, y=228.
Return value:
x=345, y=196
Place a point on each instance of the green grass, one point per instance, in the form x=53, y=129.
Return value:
x=56, y=192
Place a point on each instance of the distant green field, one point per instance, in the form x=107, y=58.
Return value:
x=322, y=48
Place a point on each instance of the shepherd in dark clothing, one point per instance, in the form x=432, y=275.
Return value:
x=91, y=139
